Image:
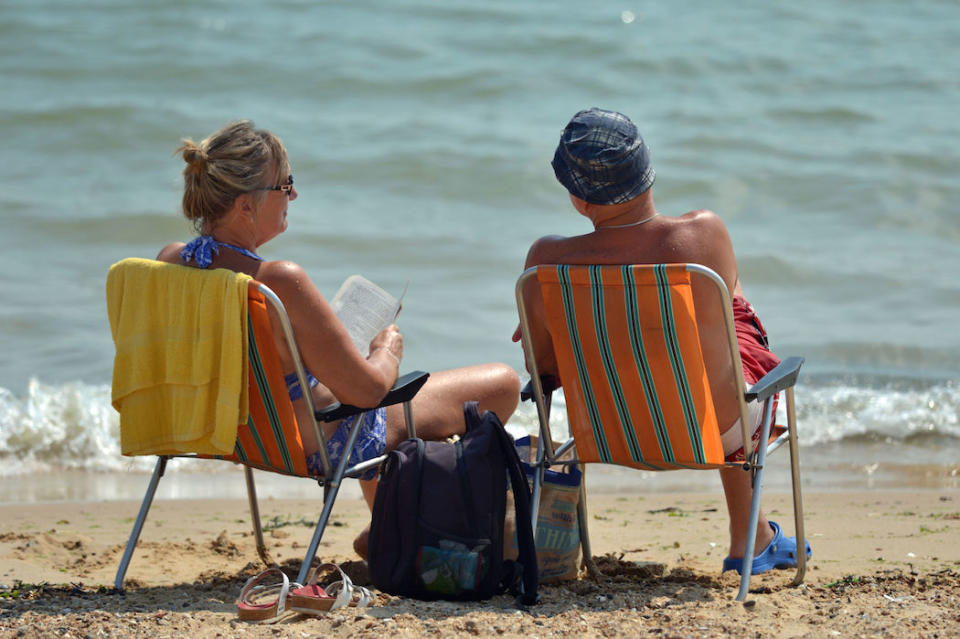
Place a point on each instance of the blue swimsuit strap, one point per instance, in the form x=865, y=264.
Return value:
x=293, y=385
x=202, y=249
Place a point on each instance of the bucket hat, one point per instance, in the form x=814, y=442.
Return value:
x=602, y=159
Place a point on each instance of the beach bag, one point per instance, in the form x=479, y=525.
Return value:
x=437, y=525
x=558, y=531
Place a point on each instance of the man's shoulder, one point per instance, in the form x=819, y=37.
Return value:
x=700, y=222
x=700, y=216
x=547, y=250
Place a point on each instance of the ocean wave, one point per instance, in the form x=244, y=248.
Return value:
x=894, y=412
x=73, y=426
x=824, y=115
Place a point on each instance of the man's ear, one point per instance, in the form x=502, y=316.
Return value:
x=580, y=205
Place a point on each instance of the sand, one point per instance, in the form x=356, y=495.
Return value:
x=885, y=564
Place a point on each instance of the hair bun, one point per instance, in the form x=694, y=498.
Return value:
x=195, y=157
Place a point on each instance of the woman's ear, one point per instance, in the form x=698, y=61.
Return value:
x=241, y=211
x=244, y=202
x=246, y=206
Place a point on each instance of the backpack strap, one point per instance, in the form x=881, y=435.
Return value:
x=521, y=501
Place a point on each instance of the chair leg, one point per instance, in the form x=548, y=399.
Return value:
x=761, y=458
x=330, y=490
x=584, y=527
x=537, y=487
x=540, y=458
x=158, y=471
x=797, y=498
x=255, y=516
x=408, y=419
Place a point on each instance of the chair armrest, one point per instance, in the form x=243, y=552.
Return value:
x=403, y=390
x=783, y=376
x=549, y=383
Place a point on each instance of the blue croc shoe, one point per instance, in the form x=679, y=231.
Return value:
x=781, y=552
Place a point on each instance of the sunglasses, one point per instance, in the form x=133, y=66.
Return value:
x=286, y=187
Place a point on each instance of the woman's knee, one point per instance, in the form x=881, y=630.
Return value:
x=503, y=390
x=503, y=377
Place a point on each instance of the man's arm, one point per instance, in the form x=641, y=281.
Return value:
x=540, y=253
x=715, y=247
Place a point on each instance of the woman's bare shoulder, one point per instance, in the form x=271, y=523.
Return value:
x=283, y=274
x=171, y=253
x=290, y=281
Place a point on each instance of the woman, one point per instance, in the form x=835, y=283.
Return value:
x=237, y=187
x=605, y=166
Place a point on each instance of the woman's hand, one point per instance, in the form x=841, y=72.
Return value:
x=389, y=339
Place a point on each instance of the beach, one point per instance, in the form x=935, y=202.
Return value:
x=885, y=564
x=420, y=133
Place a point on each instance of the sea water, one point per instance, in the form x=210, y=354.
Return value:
x=420, y=133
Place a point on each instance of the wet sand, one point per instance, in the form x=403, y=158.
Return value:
x=885, y=563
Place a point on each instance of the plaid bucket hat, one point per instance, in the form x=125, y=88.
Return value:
x=602, y=159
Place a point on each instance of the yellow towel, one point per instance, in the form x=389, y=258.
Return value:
x=180, y=371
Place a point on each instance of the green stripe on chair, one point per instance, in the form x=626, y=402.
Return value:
x=566, y=291
x=263, y=387
x=606, y=354
x=676, y=363
x=239, y=450
x=241, y=453
x=643, y=366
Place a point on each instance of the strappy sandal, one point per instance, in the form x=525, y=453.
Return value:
x=312, y=599
x=265, y=602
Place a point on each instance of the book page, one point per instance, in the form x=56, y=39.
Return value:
x=365, y=309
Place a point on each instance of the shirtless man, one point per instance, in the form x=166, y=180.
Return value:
x=604, y=164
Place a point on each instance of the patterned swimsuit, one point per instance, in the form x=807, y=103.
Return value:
x=372, y=438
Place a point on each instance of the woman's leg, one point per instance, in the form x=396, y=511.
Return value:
x=438, y=413
x=361, y=541
x=438, y=407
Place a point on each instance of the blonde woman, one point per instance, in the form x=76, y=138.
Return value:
x=237, y=189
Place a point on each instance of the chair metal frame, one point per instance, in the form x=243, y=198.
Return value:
x=781, y=378
x=403, y=392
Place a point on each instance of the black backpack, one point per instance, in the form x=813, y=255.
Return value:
x=437, y=528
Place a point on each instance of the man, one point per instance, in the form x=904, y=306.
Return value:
x=605, y=166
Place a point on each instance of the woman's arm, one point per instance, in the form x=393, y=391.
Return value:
x=325, y=345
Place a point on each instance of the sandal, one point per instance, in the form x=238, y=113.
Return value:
x=781, y=552
x=259, y=602
x=312, y=599
x=359, y=596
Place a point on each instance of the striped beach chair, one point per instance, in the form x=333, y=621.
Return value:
x=270, y=438
x=627, y=341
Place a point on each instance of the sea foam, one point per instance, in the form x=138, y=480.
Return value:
x=74, y=426
x=69, y=426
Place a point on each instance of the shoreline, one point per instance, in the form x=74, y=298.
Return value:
x=883, y=561
x=192, y=480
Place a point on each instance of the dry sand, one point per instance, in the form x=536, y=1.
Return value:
x=885, y=564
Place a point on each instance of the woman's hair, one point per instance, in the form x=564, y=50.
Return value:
x=236, y=159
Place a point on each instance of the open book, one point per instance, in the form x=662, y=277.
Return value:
x=365, y=309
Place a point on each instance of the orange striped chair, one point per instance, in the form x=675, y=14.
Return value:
x=628, y=346
x=270, y=438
